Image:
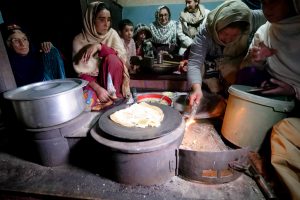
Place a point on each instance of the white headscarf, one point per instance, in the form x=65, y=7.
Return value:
x=163, y=34
x=89, y=35
x=283, y=36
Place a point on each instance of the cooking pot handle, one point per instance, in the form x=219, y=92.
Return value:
x=82, y=82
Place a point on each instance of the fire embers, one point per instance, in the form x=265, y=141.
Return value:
x=202, y=137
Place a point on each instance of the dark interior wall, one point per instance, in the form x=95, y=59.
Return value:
x=57, y=21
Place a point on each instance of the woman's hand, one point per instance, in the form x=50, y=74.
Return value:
x=196, y=94
x=46, y=47
x=261, y=52
x=281, y=88
x=102, y=93
x=90, y=51
x=183, y=66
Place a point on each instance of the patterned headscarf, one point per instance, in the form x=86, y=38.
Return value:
x=163, y=34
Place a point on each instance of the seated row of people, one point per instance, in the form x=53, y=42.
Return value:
x=217, y=54
x=160, y=35
x=214, y=56
x=103, y=58
x=175, y=36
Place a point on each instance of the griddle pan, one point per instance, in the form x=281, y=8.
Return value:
x=172, y=120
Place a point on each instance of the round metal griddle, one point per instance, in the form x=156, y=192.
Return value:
x=171, y=121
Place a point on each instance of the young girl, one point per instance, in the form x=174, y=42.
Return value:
x=99, y=56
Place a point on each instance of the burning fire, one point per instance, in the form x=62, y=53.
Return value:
x=189, y=121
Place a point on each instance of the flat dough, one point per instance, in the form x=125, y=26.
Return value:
x=139, y=115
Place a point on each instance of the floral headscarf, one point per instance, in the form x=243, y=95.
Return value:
x=163, y=34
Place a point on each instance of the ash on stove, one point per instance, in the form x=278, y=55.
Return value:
x=201, y=136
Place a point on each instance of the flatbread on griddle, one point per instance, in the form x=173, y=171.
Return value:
x=139, y=115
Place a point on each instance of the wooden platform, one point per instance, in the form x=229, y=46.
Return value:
x=169, y=82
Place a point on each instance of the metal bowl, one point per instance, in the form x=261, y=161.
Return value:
x=164, y=68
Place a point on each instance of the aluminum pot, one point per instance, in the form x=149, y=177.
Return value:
x=48, y=103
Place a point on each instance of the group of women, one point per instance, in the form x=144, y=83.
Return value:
x=218, y=41
x=221, y=50
x=99, y=43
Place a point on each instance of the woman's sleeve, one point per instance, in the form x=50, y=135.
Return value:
x=183, y=38
x=258, y=37
x=106, y=50
x=258, y=19
x=87, y=77
x=197, y=56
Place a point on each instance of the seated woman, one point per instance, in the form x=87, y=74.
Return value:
x=270, y=58
x=164, y=31
x=273, y=57
x=190, y=19
x=29, y=65
x=220, y=46
x=99, y=56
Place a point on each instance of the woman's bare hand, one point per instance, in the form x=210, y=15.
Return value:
x=195, y=95
x=183, y=66
x=46, y=47
x=281, y=88
x=102, y=95
x=261, y=52
x=90, y=51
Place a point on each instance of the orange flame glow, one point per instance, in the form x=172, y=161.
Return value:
x=189, y=122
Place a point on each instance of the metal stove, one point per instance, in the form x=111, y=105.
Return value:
x=152, y=161
x=51, y=145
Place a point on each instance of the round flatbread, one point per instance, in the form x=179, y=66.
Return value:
x=139, y=115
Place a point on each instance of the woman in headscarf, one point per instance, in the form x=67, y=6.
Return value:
x=275, y=50
x=190, y=19
x=30, y=64
x=164, y=31
x=269, y=54
x=99, y=56
x=220, y=46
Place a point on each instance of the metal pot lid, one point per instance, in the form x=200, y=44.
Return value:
x=44, y=89
x=172, y=120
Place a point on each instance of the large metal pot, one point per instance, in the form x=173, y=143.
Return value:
x=48, y=103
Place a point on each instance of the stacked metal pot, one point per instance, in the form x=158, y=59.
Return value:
x=48, y=103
